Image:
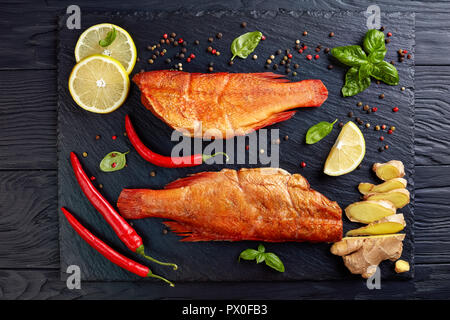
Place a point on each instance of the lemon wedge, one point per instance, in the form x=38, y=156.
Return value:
x=99, y=84
x=121, y=49
x=347, y=152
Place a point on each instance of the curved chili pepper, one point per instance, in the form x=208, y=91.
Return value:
x=108, y=252
x=120, y=226
x=163, y=161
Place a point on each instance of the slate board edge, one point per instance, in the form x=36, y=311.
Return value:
x=153, y=14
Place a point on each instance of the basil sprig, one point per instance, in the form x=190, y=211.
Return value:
x=319, y=131
x=365, y=63
x=113, y=161
x=271, y=259
x=110, y=37
x=243, y=45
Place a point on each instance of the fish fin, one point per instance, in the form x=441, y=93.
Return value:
x=190, y=235
x=278, y=117
x=187, y=181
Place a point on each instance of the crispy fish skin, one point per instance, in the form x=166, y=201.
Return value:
x=226, y=104
x=263, y=204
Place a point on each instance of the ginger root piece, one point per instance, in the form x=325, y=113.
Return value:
x=389, y=170
x=401, y=266
x=398, y=197
x=387, y=225
x=362, y=254
x=369, y=211
x=396, y=183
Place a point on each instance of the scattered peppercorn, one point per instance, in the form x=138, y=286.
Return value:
x=255, y=57
x=210, y=69
x=340, y=124
x=180, y=40
x=282, y=62
x=263, y=38
x=327, y=50
x=381, y=138
x=389, y=34
x=213, y=51
x=85, y=154
x=114, y=137
x=303, y=164
x=392, y=128
x=275, y=67
x=168, y=60
x=309, y=57
x=210, y=39
x=359, y=104
x=100, y=186
x=219, y=35
x=380, y=149
x=381, y=96
x=316, y=56
x=331, y=34
x=268, y=61
x=287, y=71
x=366, y=107
x=408, y=56
x=305, y=33
x=152, y=173
x=286, y=138
x=97, y=137
x=392, y=62
x=317, y=49
x=243, y=24
x=196, y=42
x=383, y=126
x=377, y=128
x=350, y=114
x=150, y=61
x=382, y=28
x=294, y=73
x=386, y=147
x=395, y=109
x=367, y=125
x=230, y=62
x=403, y=89
x=387, y=40
x=278, y=52
x=374, y=109
x=378, y=82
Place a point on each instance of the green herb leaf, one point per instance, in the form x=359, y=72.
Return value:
x=274, y=262
x=243, y=45
x=110, y=37
x=364, y=71
x=319, y=131
x=113, y=161
x=261, y=248
x=353, y=56
x=249, y=254
x=374, y=41
x=260, y=257
x=385, y=72
x=353, y=85
x=377, y=56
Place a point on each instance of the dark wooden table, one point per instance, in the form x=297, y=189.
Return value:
x=29, y=253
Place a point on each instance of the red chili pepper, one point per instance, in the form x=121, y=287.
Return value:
x=108, y=252
x=120, y=226
x=163, y=161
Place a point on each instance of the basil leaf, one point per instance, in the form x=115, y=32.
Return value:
x=113, y=161
x=352, y=83
x=260, y=257
x=350, y=55
x=385, y=72
x=364, y=71
x=377, y=56
x=261, y=248
x=243, y=45
x=249, y=254
x=110, y=37
x=274, y=262
x=374, y=41
x=319, y=131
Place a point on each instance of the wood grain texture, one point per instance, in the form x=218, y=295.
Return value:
x=28, y=221
x=432, y=118
x=28, y=119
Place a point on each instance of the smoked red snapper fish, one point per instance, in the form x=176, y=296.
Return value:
x=230, y=103
x=263, y=204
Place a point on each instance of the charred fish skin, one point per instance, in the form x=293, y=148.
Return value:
x=226, y=104
x=262, y=204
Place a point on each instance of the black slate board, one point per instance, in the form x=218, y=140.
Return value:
x=217, y=261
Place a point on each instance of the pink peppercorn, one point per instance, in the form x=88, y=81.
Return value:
x=305, y=47
x=114, y=137
x=316, y=56
x=192, y=56
x=289, y=56
x=300, y=50
x=395, y=109
x=381, y=138
x=263, y=37
x=165, y=36
x=213, y=51
x=180, y=40
x=188, y=59
x=374, y=109
x=389, y=34
x=92, y=178
x=303, y=164
x=309, y=57
x=114, y=165
x=390, y=131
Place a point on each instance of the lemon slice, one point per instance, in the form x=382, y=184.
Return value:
x=122, y=48
x=99, y=84
x=348, y=151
